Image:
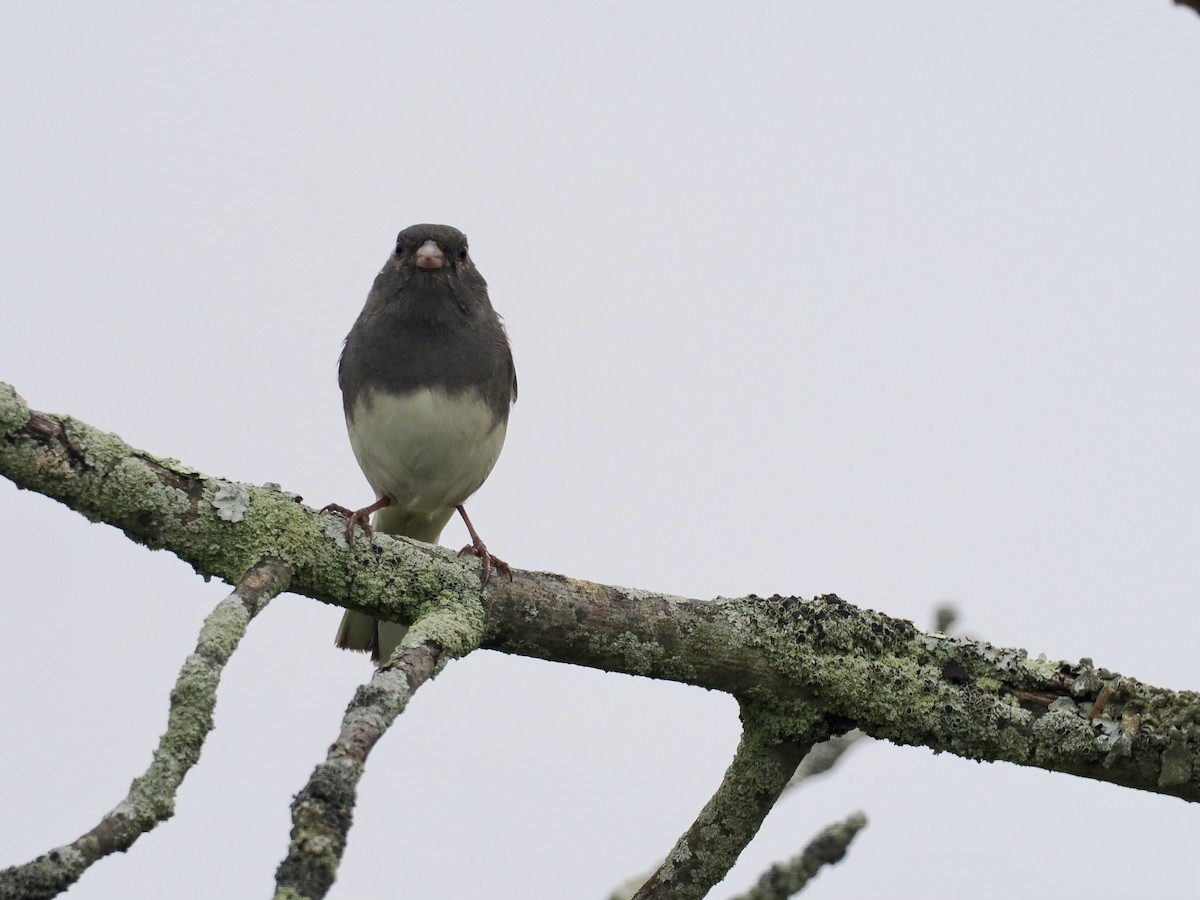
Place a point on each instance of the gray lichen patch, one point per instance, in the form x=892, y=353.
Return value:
x=335, y=529
x=1176, y=764
x=231, y=501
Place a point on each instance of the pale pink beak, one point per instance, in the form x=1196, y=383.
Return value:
x=429, y=256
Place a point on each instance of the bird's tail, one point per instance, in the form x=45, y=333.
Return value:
x=360, y=631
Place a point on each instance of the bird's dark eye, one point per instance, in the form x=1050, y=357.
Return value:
x=399, y=248
x=462, y=253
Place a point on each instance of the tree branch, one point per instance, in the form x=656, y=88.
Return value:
x=765, y=760
x=823, y=757
x=151, y=798
x=323, y=810
x=788, y=879
x=865, y=669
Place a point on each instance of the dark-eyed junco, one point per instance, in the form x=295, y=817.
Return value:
x=427, y=379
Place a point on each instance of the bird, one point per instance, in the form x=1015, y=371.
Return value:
x=427, y=381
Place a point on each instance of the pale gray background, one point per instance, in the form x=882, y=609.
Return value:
x=897, y=300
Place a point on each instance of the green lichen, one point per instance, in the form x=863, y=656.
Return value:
x=1041, y=668
x=457, y=626
x=14, y=412
x=776, y=720
x=640, y=657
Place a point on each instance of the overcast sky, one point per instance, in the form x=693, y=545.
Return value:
x=892, y=300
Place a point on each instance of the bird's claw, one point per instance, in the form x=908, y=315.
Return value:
x=353, y=517
x=487, y=561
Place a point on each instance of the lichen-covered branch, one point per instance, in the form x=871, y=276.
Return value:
x=770, y=749
x=151, y=798
x=323, y=810
x=823, y=757
x=819, y=760
x=860, y=667
x=789, y=878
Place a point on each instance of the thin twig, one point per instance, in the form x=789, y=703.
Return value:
x=789, y=878
x=151, y=798
x=824, y=757
x=324, y=809
x=755, y=779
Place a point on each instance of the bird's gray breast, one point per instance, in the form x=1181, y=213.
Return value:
x=428, y=449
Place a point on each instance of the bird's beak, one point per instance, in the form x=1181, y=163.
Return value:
x=429, y=256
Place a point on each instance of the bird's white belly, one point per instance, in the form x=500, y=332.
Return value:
x=426, y=450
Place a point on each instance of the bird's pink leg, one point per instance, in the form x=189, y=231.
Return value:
x=478, y=548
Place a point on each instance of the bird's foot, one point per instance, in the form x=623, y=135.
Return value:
x=487, y=560
x=478, y=548
x=357, y=516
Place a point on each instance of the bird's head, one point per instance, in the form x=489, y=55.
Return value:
x=431, y=270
